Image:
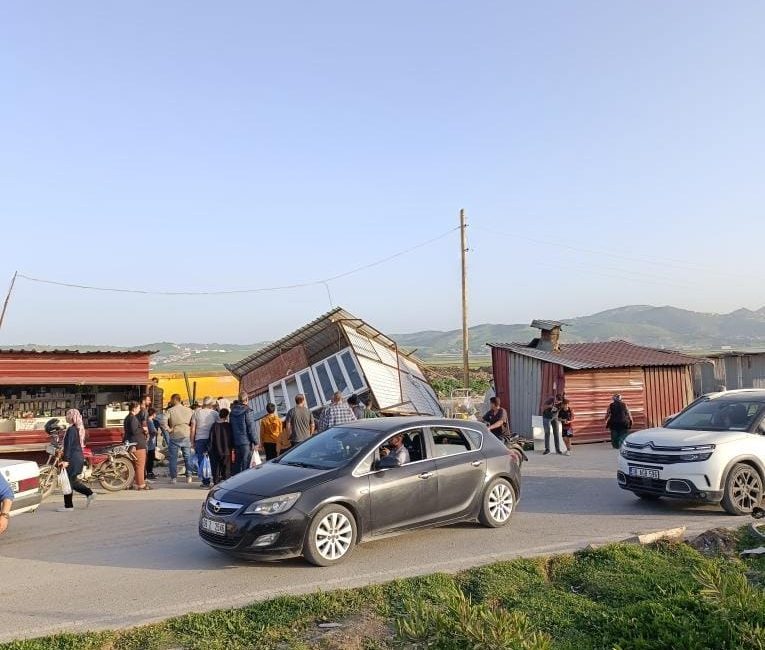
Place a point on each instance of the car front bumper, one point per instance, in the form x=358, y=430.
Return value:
x=259, y=537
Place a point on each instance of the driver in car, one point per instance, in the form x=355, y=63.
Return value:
x=395, y=447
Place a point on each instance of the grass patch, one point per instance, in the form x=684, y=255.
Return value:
x=616, y=597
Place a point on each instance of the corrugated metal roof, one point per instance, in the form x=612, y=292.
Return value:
x=320, y=327
x=609, y=354
x=546, y=324
x=110, y=352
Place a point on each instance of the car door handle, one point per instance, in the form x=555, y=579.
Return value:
x=477, y=463
x=425, y=475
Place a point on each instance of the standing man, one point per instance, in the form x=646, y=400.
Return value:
x=496, y=419
x=549, y=418
x=6, y=499
x=244, y=433
x=300, y=423
x=179, y=423
x=156, y=394
x=356, y=406
x=618, y=421
x=338, y=412
x=202, y=423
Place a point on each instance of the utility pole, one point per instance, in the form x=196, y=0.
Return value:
x=7, y=299
x=463, y=247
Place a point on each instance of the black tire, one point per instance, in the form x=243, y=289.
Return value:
x=331, y=536
x=48, y=481
x=647, y=496
x=743, y=490
x=118, y=475
x=498, y=504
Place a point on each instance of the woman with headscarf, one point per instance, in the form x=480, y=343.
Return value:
x=72, y=459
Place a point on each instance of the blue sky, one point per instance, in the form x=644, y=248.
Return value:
x=606, y=154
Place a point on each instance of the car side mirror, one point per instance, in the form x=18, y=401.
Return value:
x=388, y=462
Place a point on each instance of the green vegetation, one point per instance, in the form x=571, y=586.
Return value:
x=616, y=597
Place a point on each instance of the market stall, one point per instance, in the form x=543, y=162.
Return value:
x=36, y=386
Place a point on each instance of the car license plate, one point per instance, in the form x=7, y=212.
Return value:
x=14, y=487
x=215, y=527
x=644, y=472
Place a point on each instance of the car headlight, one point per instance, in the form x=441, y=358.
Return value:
x=273, y=505
x=696, y=458
x=623, y=452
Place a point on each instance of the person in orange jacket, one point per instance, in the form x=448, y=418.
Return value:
x=270, y=432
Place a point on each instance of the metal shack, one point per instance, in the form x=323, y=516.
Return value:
x=38, y=385
x=731, y=369
x=336, y=352
x=653, y=383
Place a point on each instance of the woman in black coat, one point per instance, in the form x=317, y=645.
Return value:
x=73, y=461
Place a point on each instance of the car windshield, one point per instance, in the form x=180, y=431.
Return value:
x=718, y=415
x=329, y=449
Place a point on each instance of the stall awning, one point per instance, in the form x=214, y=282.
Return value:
x=71, y=367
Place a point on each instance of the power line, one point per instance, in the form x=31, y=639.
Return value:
x=222, y=292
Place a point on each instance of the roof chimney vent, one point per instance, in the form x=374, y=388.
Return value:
x=550, y=338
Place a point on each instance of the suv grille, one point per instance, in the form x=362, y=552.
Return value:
x=659, y=459
x=217, y=539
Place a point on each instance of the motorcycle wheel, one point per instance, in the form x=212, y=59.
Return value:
x=48, y=481
x=117, y=474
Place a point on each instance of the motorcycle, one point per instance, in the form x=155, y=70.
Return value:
x=514, y=446
x=111, y=466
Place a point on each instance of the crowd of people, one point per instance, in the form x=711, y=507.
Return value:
x=218, y=439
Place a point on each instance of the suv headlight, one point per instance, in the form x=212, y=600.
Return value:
x=273, y=505
x=696, y=458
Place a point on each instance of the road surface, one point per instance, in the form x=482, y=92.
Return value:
x=135, y=557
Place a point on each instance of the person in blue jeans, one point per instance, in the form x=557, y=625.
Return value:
x=201, y=425
x=178, y=425
x=246, y=437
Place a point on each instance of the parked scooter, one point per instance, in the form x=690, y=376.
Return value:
x=514, y=446
x=111, y=466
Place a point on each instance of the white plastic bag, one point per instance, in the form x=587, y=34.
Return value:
x=255, y=460
x=206, y=470
x=63, y=482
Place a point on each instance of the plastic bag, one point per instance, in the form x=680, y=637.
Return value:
x=206, y=469
x=255, y=461
x=63, y=482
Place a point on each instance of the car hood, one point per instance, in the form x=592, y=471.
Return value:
x=272, y=479
x=662, y=437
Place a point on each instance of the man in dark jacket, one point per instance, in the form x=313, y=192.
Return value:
x=244, y=433
x=618, y=421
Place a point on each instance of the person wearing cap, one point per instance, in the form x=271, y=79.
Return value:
x=618, y=421
x=201, y=425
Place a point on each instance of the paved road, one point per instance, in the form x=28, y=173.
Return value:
x=136, y=557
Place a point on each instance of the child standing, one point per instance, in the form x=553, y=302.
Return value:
x=566, y=417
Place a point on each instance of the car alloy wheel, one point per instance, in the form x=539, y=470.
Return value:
x=501, y=502
x=746, y=488
x=334, y=536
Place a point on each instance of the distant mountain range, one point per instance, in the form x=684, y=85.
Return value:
x=663, y=327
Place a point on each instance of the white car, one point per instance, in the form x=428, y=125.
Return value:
x=24, y=479
x=712, y=451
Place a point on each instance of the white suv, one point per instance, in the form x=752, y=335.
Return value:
x=713, y=450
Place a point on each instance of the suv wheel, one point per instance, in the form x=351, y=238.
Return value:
x=330, y=537
x=743, y=490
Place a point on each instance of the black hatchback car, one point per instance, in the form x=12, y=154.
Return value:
x=362, y=481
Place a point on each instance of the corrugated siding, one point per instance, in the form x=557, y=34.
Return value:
x=525, y=386
x=591, y=391
x=72, y=368
x=667, y=391
x=733, y=373
x=753, y=368
x=500, y=368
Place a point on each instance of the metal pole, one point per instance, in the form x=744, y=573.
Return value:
x=7, y=299
x=463, y=250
